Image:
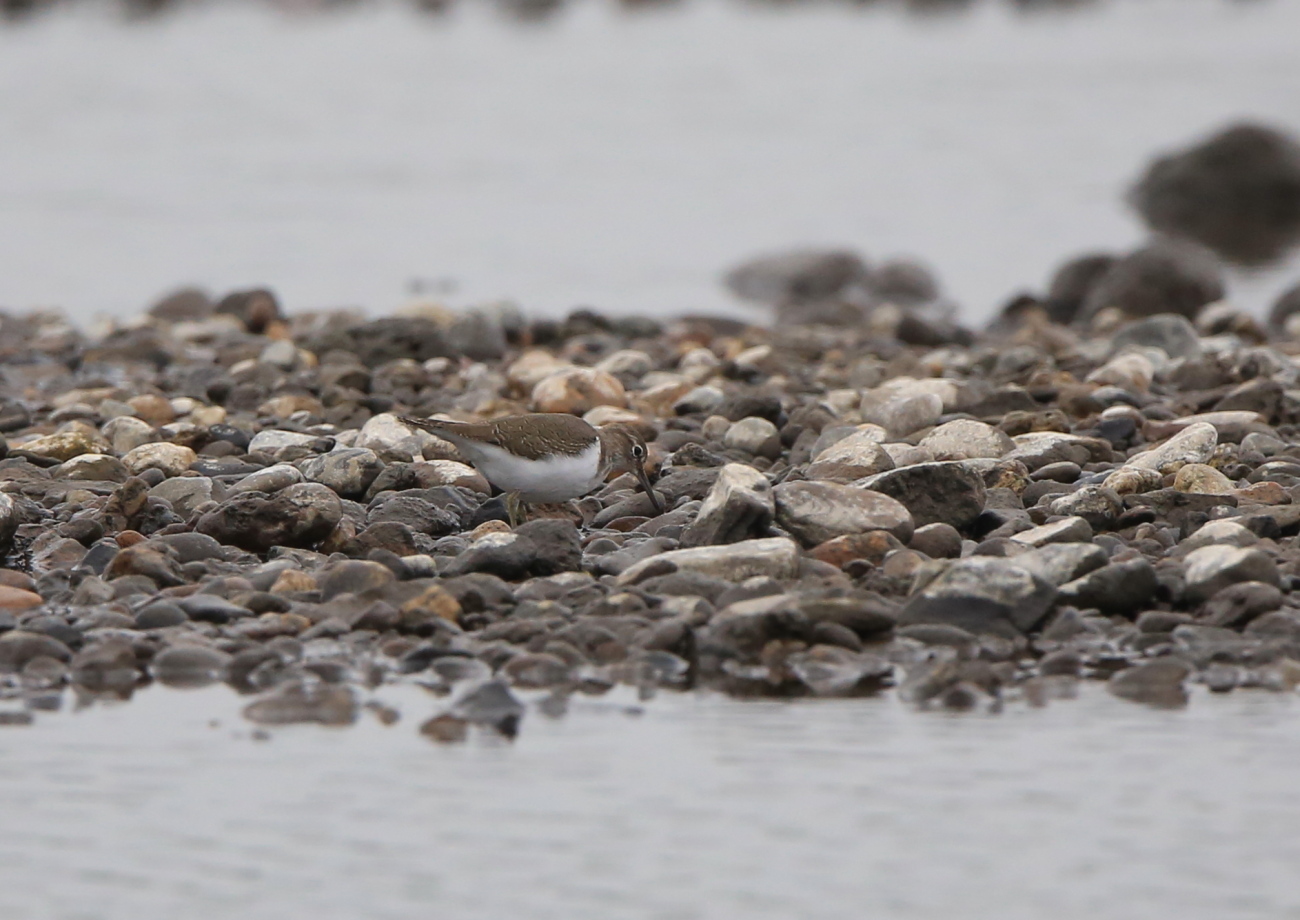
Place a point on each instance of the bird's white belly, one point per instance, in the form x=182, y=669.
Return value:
x=556, y=478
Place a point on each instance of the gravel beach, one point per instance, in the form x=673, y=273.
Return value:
x=863, y=497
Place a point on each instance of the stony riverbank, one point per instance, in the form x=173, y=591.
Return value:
x=866, y=498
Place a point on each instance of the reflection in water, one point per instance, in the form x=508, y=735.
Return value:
x=686, y=806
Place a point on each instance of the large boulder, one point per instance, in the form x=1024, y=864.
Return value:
x=1237, y=192
x=1166, y=276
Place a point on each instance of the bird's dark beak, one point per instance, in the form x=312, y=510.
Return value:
x=639, y=470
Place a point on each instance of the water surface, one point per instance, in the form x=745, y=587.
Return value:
x=699, y=807
x=616, y=160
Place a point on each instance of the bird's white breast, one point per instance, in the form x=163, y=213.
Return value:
x=556, y=478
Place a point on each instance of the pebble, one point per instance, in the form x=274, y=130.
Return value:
x=815, y=512
x=980, y=519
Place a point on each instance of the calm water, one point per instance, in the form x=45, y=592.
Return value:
x=623, y=161
x=700, y=807
x=615, y=160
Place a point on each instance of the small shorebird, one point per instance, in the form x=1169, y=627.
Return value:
x=546, y=456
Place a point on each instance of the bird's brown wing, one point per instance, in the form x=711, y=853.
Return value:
x=483, y=432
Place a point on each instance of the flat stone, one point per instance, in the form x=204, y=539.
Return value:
x=776, y=557
x=982, y=594
x=1061, y=563
x=1068, y=530
x=815, y=512
x=1194, y=444
x=1039, y=448
x=858, y=455
x=273, y=439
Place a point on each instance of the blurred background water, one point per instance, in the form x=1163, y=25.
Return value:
x=606, y=157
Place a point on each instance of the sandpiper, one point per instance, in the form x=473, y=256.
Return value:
x=545, y=456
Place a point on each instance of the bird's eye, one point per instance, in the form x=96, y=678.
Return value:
x=638, y=451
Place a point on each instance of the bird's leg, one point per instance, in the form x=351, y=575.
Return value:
x=515, y=508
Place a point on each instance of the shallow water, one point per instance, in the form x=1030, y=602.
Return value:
x=698, y=807
x=616, y=160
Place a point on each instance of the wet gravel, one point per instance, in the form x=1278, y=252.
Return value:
x=865, y=498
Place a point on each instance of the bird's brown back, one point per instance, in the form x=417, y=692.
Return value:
x=533, y=437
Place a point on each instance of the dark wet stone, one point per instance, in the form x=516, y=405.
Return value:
x=535, y=671
x=538, y=548
x=947, y=492
x=1238, y=604
x=98, y=557
x=299, y=515
x=938, y=541
x=837, y=672
x=387, y=537
x=982, y=594
x=867, y=617
x=686, y=584
x=1158, y=683
x=191, y=547
x=1117, y=588
x=1167, y=276
x=797, y=276
x=354, y=577
x=685, y=482
x=210, y=608
x=615, y=562
x=256, y=308
x=159, y=615
x=1286, y=306
x=419, y=514
x=1072, y=284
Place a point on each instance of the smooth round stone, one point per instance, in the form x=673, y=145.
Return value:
x=753, y=435
x=1062, y=471
x=170, y=459
x=160, y=615
x=1202, y=479
x=963, y=439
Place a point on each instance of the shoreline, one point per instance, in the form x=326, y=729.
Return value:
x=893, y=504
